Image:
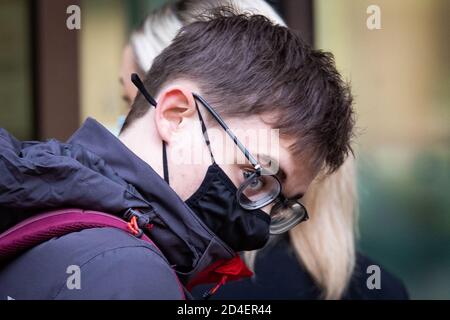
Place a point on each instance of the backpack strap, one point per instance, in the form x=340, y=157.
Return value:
x=43, y=227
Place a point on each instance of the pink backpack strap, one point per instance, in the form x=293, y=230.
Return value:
x=43, y=227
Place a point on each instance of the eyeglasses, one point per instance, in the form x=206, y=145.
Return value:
x=261, y=186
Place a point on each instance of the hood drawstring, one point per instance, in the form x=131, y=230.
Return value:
x=137, y=221
x=134, y=228
x=210, y=293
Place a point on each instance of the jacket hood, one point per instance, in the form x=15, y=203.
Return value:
x=95, y=170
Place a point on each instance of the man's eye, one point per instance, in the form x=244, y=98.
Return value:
x=256, y=182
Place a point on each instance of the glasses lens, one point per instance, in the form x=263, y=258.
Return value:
x=258, y=191
x=285, y=215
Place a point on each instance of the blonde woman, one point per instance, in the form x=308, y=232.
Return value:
x=317, y=259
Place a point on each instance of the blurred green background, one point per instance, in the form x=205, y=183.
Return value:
x=400, y=78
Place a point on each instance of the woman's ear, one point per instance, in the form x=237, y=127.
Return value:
x=175, y=104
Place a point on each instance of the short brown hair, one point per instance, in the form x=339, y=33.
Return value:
x=246, y=65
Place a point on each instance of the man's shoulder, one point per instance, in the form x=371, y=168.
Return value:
x=109, y=263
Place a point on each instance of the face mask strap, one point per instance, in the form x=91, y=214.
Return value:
x=140, y=86
x=165, y=166
x=205, y=132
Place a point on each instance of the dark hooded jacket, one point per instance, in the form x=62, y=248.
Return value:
x=93, y=170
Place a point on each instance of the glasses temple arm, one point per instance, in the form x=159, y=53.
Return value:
x=222, y=123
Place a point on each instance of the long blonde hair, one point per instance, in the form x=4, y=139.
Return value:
x=324, y=245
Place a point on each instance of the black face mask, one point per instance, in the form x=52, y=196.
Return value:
x=216, y=204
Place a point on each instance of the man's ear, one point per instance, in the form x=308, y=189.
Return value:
x=175, y=104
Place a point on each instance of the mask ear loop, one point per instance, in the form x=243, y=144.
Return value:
x=140, y=86
x=165, y=166
x=205, y=132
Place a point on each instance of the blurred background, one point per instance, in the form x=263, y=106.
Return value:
x=52, y=79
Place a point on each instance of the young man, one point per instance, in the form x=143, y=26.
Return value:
x=218, y=80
